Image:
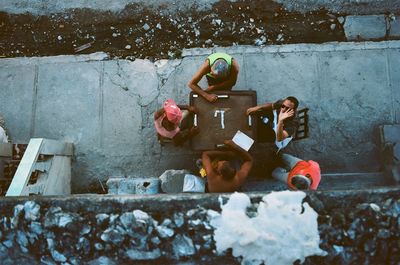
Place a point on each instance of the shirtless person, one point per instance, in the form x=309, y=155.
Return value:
x=221, y=174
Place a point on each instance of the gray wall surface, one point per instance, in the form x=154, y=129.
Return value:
x=105, y=107
x=43, y=7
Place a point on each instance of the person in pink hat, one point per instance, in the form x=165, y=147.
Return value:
x=174, y=122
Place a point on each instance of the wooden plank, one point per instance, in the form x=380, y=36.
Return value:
x=25, y=168
x=5, y=149
x=59, y=177
x=53, y=147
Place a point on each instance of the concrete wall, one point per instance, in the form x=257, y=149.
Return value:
x=42, y=7
x=105, y=106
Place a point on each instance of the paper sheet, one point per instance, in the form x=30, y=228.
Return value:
x=243, y=140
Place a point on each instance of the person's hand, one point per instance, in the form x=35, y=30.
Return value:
x=192, y=109
x=194, y=130
x=228, y=142
x=211, y=98
x=285, y=113
x=251, y=110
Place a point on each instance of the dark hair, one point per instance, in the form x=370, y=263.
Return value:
x=294, y=100
x=300, y=182
x=227, y=171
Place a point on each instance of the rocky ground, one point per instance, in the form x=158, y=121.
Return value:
x=156, y=34
x=355, y=233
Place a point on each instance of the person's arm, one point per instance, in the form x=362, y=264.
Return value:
x=206, y=159
x=243, y=153
x=244, y=170
x=281, y=134
x=231, y=80
x=188, y=107
x=158, y=114
x=193, y=83
x=266, y=107
x=180, y=138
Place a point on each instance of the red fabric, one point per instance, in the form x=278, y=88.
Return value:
x=303, y=168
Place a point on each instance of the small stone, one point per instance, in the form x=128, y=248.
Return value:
x=59, y=38
x=47, y=260
x=208, y=42
x=115, y=35
x=280, y=37
x=196, y=32
x=83, y=244
x=102, y=261
x=57, y=256
x=32, y=211
x=22, y=240
x=140, y=215
x=127, y=219
x=128, y=47
x=134, y=254
x=179, y=219
x=183, y=246
x=218, y=22
x=333, y=26
x=85, y=229
x=146, y=27
x=101, y=218
x=375, y=207
x=98, y=246
x=341, y=20
x=155, y=240
x=112, y=235
x=50, y=243
x=384, y=233
x=158, y=26
x=164, y=232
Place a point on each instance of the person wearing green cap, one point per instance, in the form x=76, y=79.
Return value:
x=221, y=71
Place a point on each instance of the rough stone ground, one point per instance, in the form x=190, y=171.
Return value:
x=139, y=33
x=358, y=227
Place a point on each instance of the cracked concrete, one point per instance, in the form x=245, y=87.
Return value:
x=105, y=106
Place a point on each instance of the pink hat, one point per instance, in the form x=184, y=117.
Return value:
x=173, y=112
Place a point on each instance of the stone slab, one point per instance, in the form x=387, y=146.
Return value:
x=68, y=103
x=354, y=89
x=127, y=86
x=394, y=75
x=17, y=94
x=365, y=27
x=275, y=76
x=394, y=31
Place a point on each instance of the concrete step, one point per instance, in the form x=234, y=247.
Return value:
x=336, y=181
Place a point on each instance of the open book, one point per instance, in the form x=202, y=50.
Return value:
x=243, y=140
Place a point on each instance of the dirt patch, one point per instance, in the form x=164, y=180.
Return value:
x=154, y=34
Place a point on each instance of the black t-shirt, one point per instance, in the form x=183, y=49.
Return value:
x=266, y=132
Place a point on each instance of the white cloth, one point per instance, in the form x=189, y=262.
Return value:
x=192, y=183
x=280, y=144
x=3, y=136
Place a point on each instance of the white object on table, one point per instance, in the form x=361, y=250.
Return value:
x=242, y=140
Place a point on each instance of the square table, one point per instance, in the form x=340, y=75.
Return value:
x=221, y=120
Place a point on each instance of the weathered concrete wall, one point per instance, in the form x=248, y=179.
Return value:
x=356, y=227
x=338, y=6
x=43, y=7
x=105, y=107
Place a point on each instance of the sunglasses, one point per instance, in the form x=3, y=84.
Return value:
x=285, y=107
